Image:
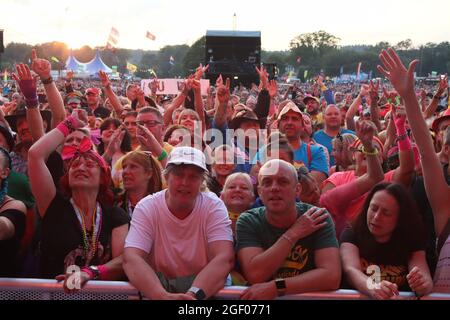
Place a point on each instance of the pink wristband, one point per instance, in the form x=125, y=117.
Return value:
x=62, y=127
x=67, y=126
x=89, y=272
x=103, y=270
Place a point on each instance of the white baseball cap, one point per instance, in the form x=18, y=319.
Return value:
x=187, y=155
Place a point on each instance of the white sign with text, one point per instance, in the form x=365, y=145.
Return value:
x=172, y=86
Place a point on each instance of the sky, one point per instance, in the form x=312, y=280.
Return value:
x=88, y=22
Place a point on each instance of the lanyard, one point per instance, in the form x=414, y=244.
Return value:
x=97, y=225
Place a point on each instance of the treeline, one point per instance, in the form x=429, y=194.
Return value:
x=315, y=52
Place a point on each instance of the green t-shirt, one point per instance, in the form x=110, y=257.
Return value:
x=253, y=230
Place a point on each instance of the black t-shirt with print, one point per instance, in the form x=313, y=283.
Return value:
x=393, y=267
x=62, y=237
x=9, y=248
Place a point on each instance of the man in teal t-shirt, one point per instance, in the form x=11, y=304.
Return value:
x=284, y=247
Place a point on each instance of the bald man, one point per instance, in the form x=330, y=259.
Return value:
x=333, y=119
x=286, y=247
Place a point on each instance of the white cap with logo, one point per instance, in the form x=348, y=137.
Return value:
x=187, y=155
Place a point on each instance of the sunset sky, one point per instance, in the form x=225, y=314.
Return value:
x=83, y=22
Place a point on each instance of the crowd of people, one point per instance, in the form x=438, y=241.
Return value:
x=283, y=189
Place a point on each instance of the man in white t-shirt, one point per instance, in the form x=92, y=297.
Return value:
x=180, y=244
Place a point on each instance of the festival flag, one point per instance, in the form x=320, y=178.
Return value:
x=150, y=35
x=358, y=71
x=152, y=72
x=305, y=74
x=113, y=38
x=171, y=60
x=342, y=70
x=131, y=67
x=5, y=76
x=55, y=59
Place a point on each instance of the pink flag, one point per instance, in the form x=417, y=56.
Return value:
x=150, y=35
x=113, y=38
x=358, y=71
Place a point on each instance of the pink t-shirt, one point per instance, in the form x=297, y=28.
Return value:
x=355, y=206
x=177, y=247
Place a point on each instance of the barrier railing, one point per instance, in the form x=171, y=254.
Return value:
x=43, y=289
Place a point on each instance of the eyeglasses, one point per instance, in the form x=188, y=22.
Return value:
x=149, y=123
x=339, y=137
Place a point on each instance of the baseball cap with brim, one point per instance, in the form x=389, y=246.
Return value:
x=12, y=119
x=309, y=97
x=95, y=91
x=187, y=155
x=74, y=100
x=357, y=144
x=437, y=122
x=242, y=116
x=290, y=106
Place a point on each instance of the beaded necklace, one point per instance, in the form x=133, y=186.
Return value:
x=89, y=249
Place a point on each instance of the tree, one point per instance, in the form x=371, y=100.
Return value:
x=404, y=45
x=194, y=56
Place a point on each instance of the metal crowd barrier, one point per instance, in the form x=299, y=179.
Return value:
x=43, y=289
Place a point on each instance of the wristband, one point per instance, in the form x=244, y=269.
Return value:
x=162, y=156
x=47, y=81
x=31, y=103
x=89, y=272
x=373, y=153
x=67, y=126
x=103, y=272
x=288, y=239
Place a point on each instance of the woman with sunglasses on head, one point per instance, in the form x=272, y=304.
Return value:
x=80, y=228
x=342, y=153
x=141, y=176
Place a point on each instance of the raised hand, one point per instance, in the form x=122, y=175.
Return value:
x=27, y=84
x=364, y=91
x=263, y=76
x=393, y=68
x=373, y=89
x=116, y=140
x=443, y=84
x=365, y=130
x=147, y=140
x=41, y=66
x=320, y=81
x=219, y=81
x=154, y=86
x=81, y=117
x=104, y=78
x=223, y=92
x=399, y=117
x=272, y=88
x=200, y=71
